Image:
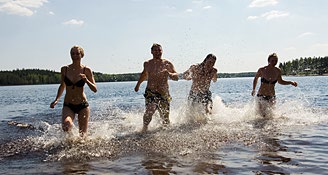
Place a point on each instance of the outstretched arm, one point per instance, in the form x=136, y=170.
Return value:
x=283, y=82
x=187, y=75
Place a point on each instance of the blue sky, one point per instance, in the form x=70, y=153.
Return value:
x=117, y=34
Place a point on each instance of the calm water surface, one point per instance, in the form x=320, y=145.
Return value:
x=233, y=141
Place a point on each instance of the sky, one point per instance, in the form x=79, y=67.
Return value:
x=117, y=34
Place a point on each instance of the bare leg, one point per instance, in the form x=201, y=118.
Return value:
x=164, y=112
x=67, y=119
x=150, y=110
x=208, y=107
x=83, y=119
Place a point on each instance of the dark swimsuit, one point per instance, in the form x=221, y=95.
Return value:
x=76, y=108
x=201, y=97
x=264, y=97
x=68, y=82
x=263, y=80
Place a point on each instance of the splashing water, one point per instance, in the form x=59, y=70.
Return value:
x=115, y=136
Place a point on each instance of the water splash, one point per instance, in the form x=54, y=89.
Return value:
x=116, y=134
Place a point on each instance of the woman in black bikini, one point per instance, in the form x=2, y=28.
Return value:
x=270, y=75
x=73, y=78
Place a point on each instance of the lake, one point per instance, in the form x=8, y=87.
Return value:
x=233, y=141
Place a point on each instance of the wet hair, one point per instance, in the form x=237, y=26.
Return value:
x=209, y=56
x=79, y=48
x=155, y=45
x=273, y=55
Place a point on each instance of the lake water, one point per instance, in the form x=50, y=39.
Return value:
x=233, y=141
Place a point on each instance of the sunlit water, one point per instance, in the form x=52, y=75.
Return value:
x=234, y=140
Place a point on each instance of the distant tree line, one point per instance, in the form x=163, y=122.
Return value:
x=234, y=75
x=28, y=76
x=305, y=66
x=37, y=76
x=302, y=66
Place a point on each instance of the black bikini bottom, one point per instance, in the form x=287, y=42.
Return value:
x=76, y=108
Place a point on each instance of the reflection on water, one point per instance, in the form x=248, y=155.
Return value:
x=75, y=168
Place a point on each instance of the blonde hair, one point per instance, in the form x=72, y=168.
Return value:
x=79, y=48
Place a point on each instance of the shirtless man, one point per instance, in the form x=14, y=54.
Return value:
x=157, y=97
x=201, y=76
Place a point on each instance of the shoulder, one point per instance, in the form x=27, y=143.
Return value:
x=87, y=69
x=166, y=62
x=146, y=63
x=262, y=69
x=278, y=70
x=64, y=68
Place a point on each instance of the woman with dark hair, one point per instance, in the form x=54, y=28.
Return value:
x=201, y=75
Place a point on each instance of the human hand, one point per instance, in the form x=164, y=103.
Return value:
x=53, y=104
x=84, y=77
x=165, y=72
x=253, y=92
x=294, y=83
x=136, y=88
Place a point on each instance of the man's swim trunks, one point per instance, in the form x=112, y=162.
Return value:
x=162, y=102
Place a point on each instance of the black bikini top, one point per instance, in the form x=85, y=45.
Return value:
x=68, y=82
x=263, y=80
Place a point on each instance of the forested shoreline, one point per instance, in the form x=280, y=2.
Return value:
x=301, y=67
x=305, y=66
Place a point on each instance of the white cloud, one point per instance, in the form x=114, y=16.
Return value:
x=74, y=22
x=263, y=3
x=51, y=13
x=305, y=34
x=207, y=7
x=20, y=7
x=270, y=15
x=252, y=17
x=188, y=10
x=274, y=14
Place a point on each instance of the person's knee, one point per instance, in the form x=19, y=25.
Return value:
x=67, y=124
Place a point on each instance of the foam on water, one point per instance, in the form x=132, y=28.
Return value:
x=116, y=134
